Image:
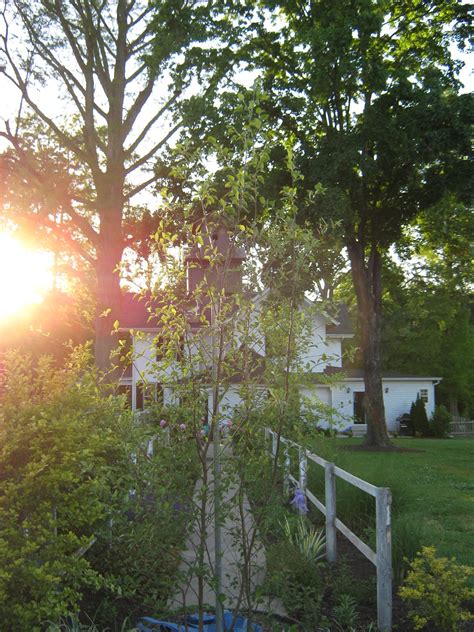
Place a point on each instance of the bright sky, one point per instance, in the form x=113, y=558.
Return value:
x=25, y=275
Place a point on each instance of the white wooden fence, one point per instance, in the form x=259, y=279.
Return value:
x=382, y=557
x=461, y=427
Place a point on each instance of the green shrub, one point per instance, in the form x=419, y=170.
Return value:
x=344, y=615
x=439, y=422
x=435, y=589
x=340, y=581
x=67, y=534
x=419, y=418
x=298, y=582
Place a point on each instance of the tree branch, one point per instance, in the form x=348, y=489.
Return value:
x=140, y=187
x=81, y=222
x=141, y=161
x=149, y=125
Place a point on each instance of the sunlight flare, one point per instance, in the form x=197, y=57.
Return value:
x=25, y=276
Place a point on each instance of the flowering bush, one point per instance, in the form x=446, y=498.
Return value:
x=435, y=589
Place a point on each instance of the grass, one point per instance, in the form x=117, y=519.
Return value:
x=433, y=492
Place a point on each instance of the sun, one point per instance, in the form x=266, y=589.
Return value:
x=25, y=276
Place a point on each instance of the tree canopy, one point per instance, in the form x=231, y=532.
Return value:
x=99, y=84
x=369, y=92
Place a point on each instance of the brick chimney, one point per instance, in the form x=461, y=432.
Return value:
x=217, y=262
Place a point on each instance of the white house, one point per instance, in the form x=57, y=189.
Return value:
x=323, y=355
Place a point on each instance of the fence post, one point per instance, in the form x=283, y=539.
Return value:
x=286, y=472
x=150, y=447
x=330, y=493
x=384, y=559
x=274, y=444
x=303, y=464
x=54, y=515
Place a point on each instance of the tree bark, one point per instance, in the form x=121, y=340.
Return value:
x=368, y=287
x=97, y=53
x=108, y=305
x=109, y=256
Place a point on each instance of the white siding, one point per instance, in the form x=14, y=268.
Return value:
x=144, y=357
x=322, y=402
x=400, y=396
x=343, y=402
x=401, y=393
x=230, y=401
x=321, y=351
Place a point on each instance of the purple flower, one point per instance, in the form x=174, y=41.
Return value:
x=299, y=501
x=182, y=426
x=163, y=423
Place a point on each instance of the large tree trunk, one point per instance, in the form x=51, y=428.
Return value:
x=107, y=309
x=109, y=256
x=368, y=288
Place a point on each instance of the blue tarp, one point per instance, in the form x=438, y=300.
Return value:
x=148, y=624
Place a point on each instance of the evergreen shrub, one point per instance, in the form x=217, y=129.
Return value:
x=440, y=421
x=419, y=418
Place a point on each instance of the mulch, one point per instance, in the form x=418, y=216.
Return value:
x=371, y=448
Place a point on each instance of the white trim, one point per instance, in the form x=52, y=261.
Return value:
x=339, y=335
x=396, y=379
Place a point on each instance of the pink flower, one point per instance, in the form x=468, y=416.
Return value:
x=182, y=426
x=163, y=423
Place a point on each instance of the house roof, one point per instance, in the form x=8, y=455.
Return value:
x=358, y=374
x=136, y=311
x=254, y=360
x=343, y=325
x=144, y=312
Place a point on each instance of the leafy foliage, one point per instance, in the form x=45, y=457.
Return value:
x=435, y=589
x=419, y=418
x=67, y=532
x=309, y=541
x=440, y=421
x=368, y=91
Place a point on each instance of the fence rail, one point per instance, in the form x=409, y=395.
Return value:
x=462, y=427
x=382, y=557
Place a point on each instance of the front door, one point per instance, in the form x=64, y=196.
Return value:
x=359, y=412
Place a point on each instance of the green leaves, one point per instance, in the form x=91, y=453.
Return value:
x=66, y=475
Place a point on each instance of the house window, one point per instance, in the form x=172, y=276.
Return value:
x=148, y=394
x=126, y=389
x=165, y=348
x=424, y=395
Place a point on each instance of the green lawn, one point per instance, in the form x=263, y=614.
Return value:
x=433, y=491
